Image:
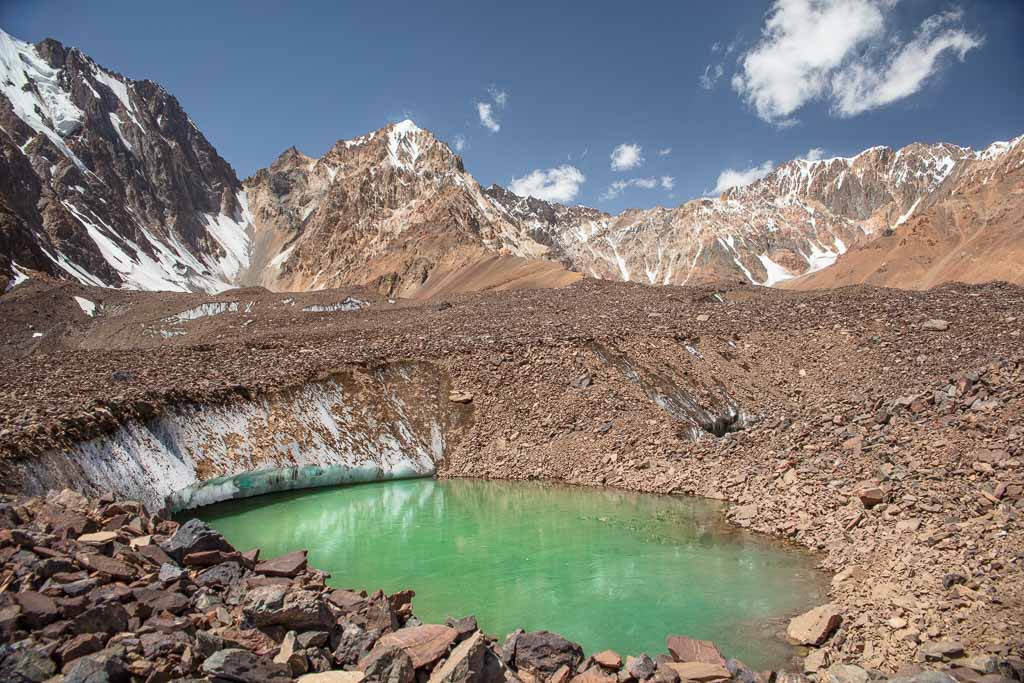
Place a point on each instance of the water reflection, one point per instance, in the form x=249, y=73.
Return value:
x=603, y=567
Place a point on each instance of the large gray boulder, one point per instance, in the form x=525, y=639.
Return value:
x=195, y=536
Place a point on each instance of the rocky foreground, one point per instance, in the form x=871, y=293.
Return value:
x=882, y=429
x=98, y=590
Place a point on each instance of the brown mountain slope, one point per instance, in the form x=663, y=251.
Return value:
x=970, y=229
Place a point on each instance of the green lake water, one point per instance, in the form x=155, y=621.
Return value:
x=604, y=568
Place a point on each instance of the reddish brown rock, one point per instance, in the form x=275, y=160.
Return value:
x=685, y=649
x=424, y=644
x=815, y=626
x=287, y=566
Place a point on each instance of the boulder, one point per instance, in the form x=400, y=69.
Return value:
x=106, y=666
x=79, y=646
x=541, y=652
x=940, y=650
x=424, y=644
x=935, y=325
x=814, y=626
x=242, y=666
x=299, y=610
x=594, y=674
x=640, y=667
x=347, y=601
x=116, y=569
x=702, y=672
x=194, y=536
x=37, y=610
x=466, y=626
x=465, y=664
x=609, y=659
x=388, y=664
x=109, y=617
x=289, y=656
x=23, y=664
x=870, y=494
x=460, y=397
x=843, y=673
x=685, y=649
x=287, y=566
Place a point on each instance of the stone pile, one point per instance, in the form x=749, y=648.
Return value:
x=95, y=591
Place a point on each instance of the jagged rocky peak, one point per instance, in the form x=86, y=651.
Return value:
x=107, y=181
x=127, y=193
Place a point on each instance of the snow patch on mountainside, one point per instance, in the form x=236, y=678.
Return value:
x=36, y=94
x=233, y=235
x=88, y=307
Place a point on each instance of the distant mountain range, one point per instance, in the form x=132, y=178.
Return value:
x=107, y=181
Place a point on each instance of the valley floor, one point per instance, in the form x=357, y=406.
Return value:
x=881, y=428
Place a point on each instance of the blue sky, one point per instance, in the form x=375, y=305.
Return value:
x=723, y=85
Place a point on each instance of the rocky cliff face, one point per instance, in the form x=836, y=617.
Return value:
x=106, y=180
x=967, y=228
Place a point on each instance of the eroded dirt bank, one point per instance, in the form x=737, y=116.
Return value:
x=847, y=421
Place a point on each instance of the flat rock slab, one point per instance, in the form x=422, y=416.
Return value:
x=287, y=566
x=98, y=537
x=332, y=677
x=684, y=649
x=609, y=659
x=815, y=626
x=108, y=565
x=424, y=644
x=700, y=671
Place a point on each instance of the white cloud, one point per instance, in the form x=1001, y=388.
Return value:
x=626, y=156
x=664, y=151
x=712, y=72
x=619, y=186
x=738, y=178
x=560, y=184
x=667, y=182
x=843, y=52
x=459, y=142
x=500, y=97
x=813, y=154
x=863, y=85
x=486, y=112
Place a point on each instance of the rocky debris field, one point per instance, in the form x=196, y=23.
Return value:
x=880, y=428
x=98, y=590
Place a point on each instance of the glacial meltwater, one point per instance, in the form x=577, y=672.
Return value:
x=604, y=568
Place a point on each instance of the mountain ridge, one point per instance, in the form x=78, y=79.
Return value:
x=108, y=181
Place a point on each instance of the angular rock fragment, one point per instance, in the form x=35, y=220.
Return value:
x=814, y=626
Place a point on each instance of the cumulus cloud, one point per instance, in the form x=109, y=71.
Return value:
x=667, y=182
x=731, y=177
x=459, y=142
x=664, y=151
x=485, y=110
x=560, y=184
x=863, y=85
x=626, y=157
x=620, y=186
x=712, y=72
x=843, y=52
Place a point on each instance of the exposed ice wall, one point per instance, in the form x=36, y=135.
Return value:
x=364, y=426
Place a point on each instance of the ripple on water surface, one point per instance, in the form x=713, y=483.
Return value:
x=604, y=568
